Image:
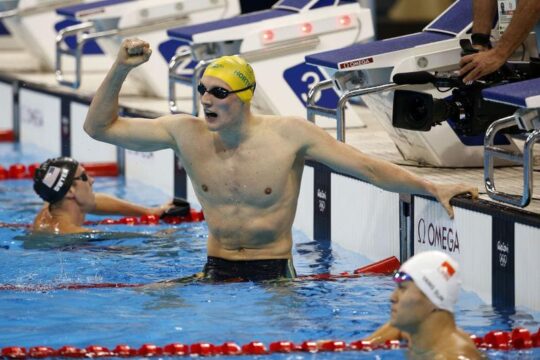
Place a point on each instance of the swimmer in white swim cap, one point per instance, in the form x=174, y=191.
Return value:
x=427, y=288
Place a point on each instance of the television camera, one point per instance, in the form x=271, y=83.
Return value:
x=465, y=110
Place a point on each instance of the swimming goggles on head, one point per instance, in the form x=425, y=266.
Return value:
x=82, y=177
x=219, y=92
x=400, y=277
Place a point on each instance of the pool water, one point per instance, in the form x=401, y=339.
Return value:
x=347, y=309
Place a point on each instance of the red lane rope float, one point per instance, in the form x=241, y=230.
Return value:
x=383, y=267
x=517, y=339
x=7, y=136
x=193, y=216
x=21, y=171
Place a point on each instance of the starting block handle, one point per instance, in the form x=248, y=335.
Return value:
x=313, y=109
x=175, y=78
x=348, y=94
x=62, y=49
x=526, y=160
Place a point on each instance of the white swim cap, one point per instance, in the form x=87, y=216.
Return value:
x=437, y=275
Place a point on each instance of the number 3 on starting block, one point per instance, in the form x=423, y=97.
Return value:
x=303, y=77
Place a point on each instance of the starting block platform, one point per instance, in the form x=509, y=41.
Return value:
x=367, y=70
x=106, y=23
x=276, y=39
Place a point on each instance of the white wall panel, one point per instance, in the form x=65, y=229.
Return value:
x=304, y=212
x=527, y=250
x=365, y=219
x=40, y=121
x=467, y=238
x=6, y=104
x=83, y=147
x=154, y=169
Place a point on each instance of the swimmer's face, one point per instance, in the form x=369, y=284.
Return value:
x=82, y=190
x=409, y=306
x=220, y=113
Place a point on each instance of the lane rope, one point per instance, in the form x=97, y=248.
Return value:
x=383, y=267
x=193, y=216
x=516, y=339
x=20, y=171
x=7, y=136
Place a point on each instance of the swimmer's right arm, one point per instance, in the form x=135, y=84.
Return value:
x=111, y=205
x=103, y=122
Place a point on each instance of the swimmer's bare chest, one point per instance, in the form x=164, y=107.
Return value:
x=254, y=177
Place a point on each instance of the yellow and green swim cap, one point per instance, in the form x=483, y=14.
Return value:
x=236, y=72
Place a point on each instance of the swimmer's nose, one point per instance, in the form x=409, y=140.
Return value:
x=393, y=296
x=206, y=98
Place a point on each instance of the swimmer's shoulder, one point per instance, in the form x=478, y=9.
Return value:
x=460, y=346
x=295, y=129
x=180, y=120
x=183, y=125
x=285, y=123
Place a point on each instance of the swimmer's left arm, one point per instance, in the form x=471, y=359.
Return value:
x=385, y=333
x=342, y=157
x=107, y=204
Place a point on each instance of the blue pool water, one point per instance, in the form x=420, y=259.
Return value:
x=240, y=312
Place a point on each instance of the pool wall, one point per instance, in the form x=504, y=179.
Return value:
x=496, y=245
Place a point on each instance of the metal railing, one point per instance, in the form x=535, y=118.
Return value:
x=339, y=112
x=34, y=10
x=527, y=120
x=85, y=32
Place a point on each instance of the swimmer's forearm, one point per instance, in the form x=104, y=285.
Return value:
x=394, y=178
x=106, y=204
x=103, y=111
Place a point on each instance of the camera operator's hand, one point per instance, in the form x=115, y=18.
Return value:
x=133, y=52
x=483, y=63
x=445, y=192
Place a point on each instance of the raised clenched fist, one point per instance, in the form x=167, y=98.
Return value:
x=134, y=52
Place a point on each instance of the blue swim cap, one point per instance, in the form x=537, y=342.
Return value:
x=54, y=177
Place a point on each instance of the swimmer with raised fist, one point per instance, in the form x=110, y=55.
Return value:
x=245, y=168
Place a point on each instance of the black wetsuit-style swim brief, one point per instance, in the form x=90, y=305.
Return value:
x=218, y=269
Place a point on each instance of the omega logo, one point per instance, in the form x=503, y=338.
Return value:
x=436, y=236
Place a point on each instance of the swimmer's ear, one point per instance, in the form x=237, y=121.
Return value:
x=70, y=194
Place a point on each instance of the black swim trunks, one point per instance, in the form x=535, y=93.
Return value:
x=218, y=269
